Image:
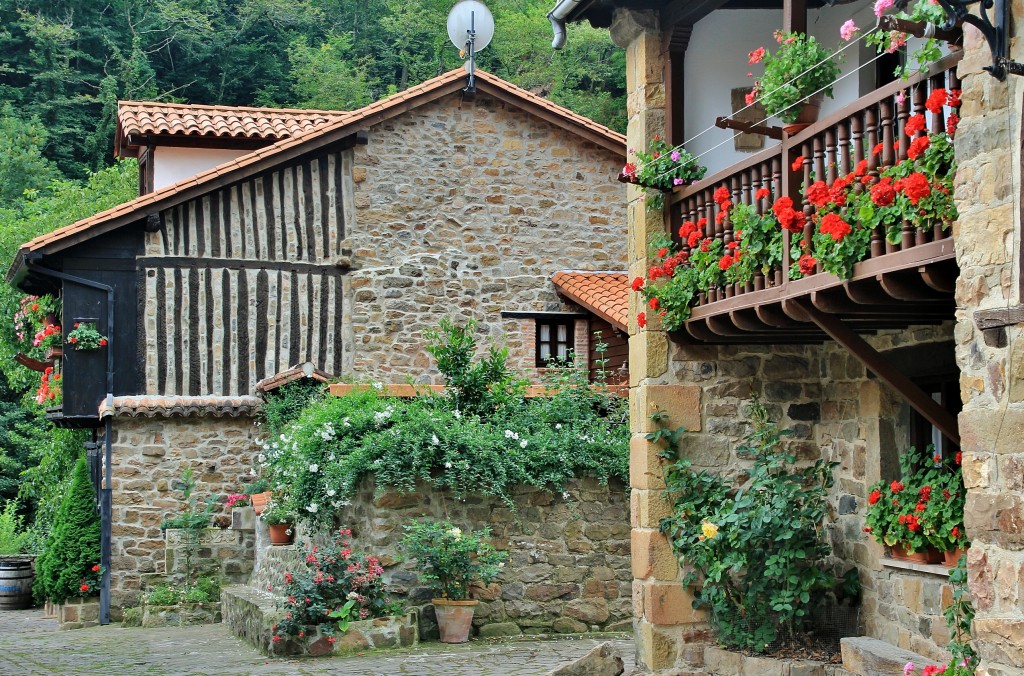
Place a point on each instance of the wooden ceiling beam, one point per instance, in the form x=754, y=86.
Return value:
x=918, y=399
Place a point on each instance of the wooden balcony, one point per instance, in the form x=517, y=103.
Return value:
x=896, y=286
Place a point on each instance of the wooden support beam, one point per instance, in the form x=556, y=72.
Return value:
x=794, y=16
x=31, y=363
x=747, y=127
x=881, y=367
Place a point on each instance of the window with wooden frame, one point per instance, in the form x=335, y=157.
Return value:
x=556, y=340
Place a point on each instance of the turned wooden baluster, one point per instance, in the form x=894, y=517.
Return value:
x=843, y=150
x=902, y=115
x=871, y=137
x=887, y=123
x=830, y=155
x=818, y=155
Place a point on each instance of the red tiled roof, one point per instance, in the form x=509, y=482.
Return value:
x=346, y=124
x=145, y=118
x=139, y=406
x=606, y=294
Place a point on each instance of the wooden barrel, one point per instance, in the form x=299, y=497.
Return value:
x=16, y=584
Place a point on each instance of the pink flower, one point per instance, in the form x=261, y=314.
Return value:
x=896, y=40
x=755, y=56
x=847, y=30
x=677, y=181
x=751, y=97
x=882, y=5
x=674, y=157
x=901, y=97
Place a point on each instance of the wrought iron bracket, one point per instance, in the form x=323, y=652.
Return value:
x=992, y=20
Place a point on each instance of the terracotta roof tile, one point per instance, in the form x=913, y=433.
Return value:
x=606, y=294
x=145, y=118
x=140, y=406
x=345, y=122
x=298, y=372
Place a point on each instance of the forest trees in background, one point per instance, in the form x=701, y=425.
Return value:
x=67, y=62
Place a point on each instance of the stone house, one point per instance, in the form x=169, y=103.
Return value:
x=331, y=240
x=919, y=346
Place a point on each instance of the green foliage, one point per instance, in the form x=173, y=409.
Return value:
x=315, y=464
x=474, y=386
x=328, y=77
x=14, y=539
x=282, y=407
x=193, y=520
x=757, y=551
x=959, y=615
x=335, y=587
x=204, y=590
x=22, y=165
x=72, y=549
x=662, y=167
x=451, y=559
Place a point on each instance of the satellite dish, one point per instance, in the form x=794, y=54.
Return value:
x=470, y=19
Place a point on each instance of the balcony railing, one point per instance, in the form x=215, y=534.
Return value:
x=920, y=267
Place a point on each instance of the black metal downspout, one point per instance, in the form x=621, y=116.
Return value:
x=106, y=492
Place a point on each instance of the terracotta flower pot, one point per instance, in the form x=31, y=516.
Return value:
x=260, y=501
x=281, y=534
x=454, y=619
x=928, y=555
x=808, y=115
x=950, y=558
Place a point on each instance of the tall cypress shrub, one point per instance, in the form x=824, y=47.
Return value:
x=73, y=547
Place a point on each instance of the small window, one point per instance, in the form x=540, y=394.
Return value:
x=555, y=340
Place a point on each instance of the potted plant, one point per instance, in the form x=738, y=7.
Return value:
x=796, y=78
x=259, y=495
x=280, y=521
x=452, y=561
x=662, y=168
x=945, y=508
x=85, y=337
x=899, y=514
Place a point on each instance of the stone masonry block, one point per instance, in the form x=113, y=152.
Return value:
x=646, y=469
x=669, y=604
x=652, y=555
x=656, y=649
x=649, y=507
x=680, y=402
x=648, y=356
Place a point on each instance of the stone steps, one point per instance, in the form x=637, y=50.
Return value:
x=871, y=657
x=250, y=610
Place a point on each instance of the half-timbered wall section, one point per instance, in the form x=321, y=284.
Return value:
x=243, y=282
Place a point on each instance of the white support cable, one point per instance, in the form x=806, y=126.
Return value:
x=731, y=138
x=758, y=99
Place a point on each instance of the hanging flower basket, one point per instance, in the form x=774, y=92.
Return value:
x=85, y=337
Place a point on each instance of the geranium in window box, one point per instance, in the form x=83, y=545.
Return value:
x=85, y=337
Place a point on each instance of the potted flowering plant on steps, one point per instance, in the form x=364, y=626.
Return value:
x=452, y=561
x=796, y=78
x=280, y=522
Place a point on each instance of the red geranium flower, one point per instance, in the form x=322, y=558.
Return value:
x=918, y=146
x=798, y=163
x=721, y=194
x=692, y=239
x=951, y=123
x=877, y=150
x=834, y=225
x=638, y=283
x=96, y=568
x=641, y=320
x=862, y=168
x=653, y=303
x=629, y=169
x=807, y=264
x=896, y=486
x=914, y=187
x=959, y=457
x=103, y=342
x=662, y=252
x=883, y=194
x=755, y=56
x=762, y=194
x=936, y=100
x=84, y=587
x=954, y=98
x=818, y=194
x=875, y=496
x=725, y=262
x=915, y=124
x=686, y=228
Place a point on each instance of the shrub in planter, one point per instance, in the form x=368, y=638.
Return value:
x=756, y=552
x=336, y=587
x=72, y=550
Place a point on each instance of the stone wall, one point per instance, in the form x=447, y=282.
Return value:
x=569, y=554
x=466, y=207
x=149, y=457
x=988, y=241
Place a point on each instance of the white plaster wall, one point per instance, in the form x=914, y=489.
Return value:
x=171, y=165
x=716, y=63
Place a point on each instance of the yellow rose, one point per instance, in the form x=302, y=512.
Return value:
x=710, y=529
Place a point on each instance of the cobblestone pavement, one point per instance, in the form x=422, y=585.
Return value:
x=30, y=644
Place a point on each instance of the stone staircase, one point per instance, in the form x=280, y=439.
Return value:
x=250, y=610
x=865, y=656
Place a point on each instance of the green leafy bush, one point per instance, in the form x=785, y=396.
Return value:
x=316, y=463
x=756, y=551
x=451, y=559
x=72, y=550
x=14, y=539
